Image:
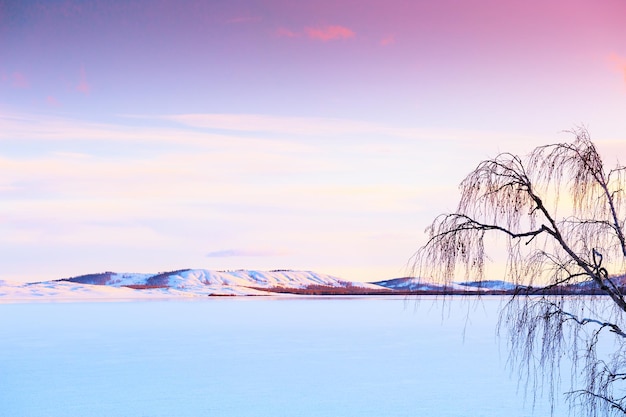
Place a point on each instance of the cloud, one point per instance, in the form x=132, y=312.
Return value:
x=72, y=155
x=285, y=129
x=47, y=128
x=53, y=102
x=619, y=64
x=239, y=132
x=325, y=34
x=387, y=40
x=329, y=33
x=230, y=253
x=244, y=19
x=286, y=33
x=83, y=86
x=19, y=80
x=255, y=196
x=307, y=126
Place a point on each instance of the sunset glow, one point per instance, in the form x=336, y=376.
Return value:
x=156, y=135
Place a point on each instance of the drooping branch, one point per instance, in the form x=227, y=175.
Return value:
x=617, y=405
x=614, y=328
x=562, y=217
x=466, y=224
x=592, y=190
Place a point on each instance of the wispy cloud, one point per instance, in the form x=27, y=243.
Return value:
x=83, y=86
x=618, y=63
x=319, y=33
x=387, y=40
x=230, y=253
x=320, y=127
x=271, y=124
x=329, y=33
x=19, y=80
x=48, y=128
x=244, y=19
x=282, y=195
x=227, y=132
x=72, y=155
x=52, y=101
x=286, y=33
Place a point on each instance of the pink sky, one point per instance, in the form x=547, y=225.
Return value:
x=147, y=135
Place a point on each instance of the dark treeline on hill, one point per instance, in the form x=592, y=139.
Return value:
x=397, y=286
x=161, y=280
x=469, y=290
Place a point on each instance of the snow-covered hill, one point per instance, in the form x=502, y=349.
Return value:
x=488, y=285
x=202, y=283
x=206, y=282
x=65, y=290
x=417, y=284
x=188, y=282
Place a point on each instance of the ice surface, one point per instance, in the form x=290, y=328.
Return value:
x=339, y=356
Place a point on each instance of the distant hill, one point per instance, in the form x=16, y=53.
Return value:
x=186, y=283
x=495, y=287
x=202, y=282
x=206, y=282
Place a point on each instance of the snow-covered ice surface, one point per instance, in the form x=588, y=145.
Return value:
x=241, y=356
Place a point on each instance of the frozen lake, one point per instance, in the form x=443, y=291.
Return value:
x=256, y=357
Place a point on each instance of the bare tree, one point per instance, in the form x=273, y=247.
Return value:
x=562, y=216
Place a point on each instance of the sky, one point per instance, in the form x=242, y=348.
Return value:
x=155, y=135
